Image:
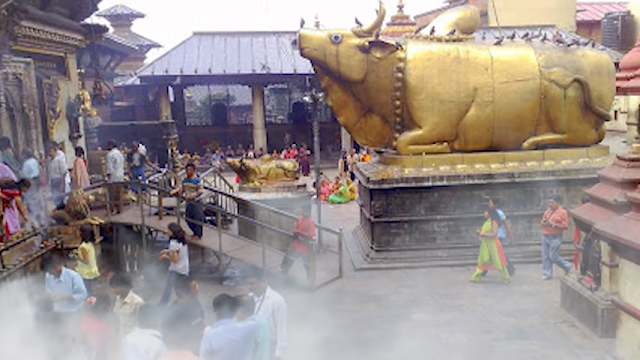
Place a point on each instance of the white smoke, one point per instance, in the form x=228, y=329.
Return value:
x=21, y=335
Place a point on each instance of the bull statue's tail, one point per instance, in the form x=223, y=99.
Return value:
x=564, y=79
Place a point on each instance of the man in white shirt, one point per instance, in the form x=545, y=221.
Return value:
x=114, y=164
x=145, y=341
x=57, y=170
x=228, y=339
x=271, y=306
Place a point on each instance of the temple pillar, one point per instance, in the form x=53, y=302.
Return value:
x=633, y=114
x=345, y=139
x=259, y=128
x=164, y=103
x=179, y=108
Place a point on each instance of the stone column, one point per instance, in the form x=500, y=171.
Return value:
x=180, y=106
x=164, y=104
x=259, y=128
x=633, y=114
x=345, y=139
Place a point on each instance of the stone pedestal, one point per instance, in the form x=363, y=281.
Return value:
x=592, y=308
x=286, y=197
x=425, y=210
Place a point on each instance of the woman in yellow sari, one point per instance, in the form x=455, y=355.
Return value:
x=491, y=255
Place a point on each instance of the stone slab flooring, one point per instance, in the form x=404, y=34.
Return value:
x=423, y=314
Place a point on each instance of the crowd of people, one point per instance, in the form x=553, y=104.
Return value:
x=343, y=189
x=97, y=323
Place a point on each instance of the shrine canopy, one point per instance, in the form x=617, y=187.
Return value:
x=230, y=58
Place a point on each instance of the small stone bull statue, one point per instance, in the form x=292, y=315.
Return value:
x=251, y=171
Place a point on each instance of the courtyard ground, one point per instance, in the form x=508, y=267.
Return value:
x=433, y=313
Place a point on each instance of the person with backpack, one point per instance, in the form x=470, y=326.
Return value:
x=504, y=231
x=490, y=253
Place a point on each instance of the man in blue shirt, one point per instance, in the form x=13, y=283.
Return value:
x=192, y=191
x=246, y=312
x=64, y=286
x=65, y=289
x=229, y=339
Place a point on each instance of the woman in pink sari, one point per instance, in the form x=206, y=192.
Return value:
x=79, y=175
x=12, y=221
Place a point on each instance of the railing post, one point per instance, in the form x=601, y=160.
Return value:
x=142, y=219
x=340, y=253
x=219, y=226
x=160, y=203
x=264, y=256
x=178, y=209
x=313, y=274
x=108, y=200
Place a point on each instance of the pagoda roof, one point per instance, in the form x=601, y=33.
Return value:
x=229, y=57
x=400, y=24
x=120, y=11
x=141, y=42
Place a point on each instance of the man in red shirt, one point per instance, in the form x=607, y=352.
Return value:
x=554, y=223
x=304, y=233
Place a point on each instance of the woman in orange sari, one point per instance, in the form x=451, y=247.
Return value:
x=491, y=255
x=80, y=174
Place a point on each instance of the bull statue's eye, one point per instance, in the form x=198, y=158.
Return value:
x=336, y=38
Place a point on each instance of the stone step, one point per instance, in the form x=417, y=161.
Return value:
x=365, y=258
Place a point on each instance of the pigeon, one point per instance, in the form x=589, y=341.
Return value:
x=499, y=41
x=512, y=36
x=592, y=43
x=573, y=42
x=560, y=40
x=544, y=38
x=358, y=22
x=302, y=22
x=537, y=35
x=526, y=35
x=433, y=31
x=452, y=32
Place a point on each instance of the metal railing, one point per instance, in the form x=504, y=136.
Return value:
x=332, y=245
x=327, y=256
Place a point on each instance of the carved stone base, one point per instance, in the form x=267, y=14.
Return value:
x=428, y=215
x=289, y=198
x=593, y=309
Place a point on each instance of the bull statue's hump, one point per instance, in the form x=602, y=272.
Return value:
x=461, y=95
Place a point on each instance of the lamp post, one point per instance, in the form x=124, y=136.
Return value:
x=314, y=98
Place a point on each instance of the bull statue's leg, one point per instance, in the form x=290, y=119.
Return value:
x=416, y=142
x=571, y=117
x=543, y=140
x=471, y=130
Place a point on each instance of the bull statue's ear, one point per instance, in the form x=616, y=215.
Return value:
x=379, y=48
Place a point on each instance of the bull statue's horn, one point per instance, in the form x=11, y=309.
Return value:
x=365, y=31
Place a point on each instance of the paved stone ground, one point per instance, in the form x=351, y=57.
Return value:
x=424, y=314
x=428, y=313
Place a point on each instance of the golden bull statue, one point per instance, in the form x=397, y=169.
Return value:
x=441, y=91
x=264, y=170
